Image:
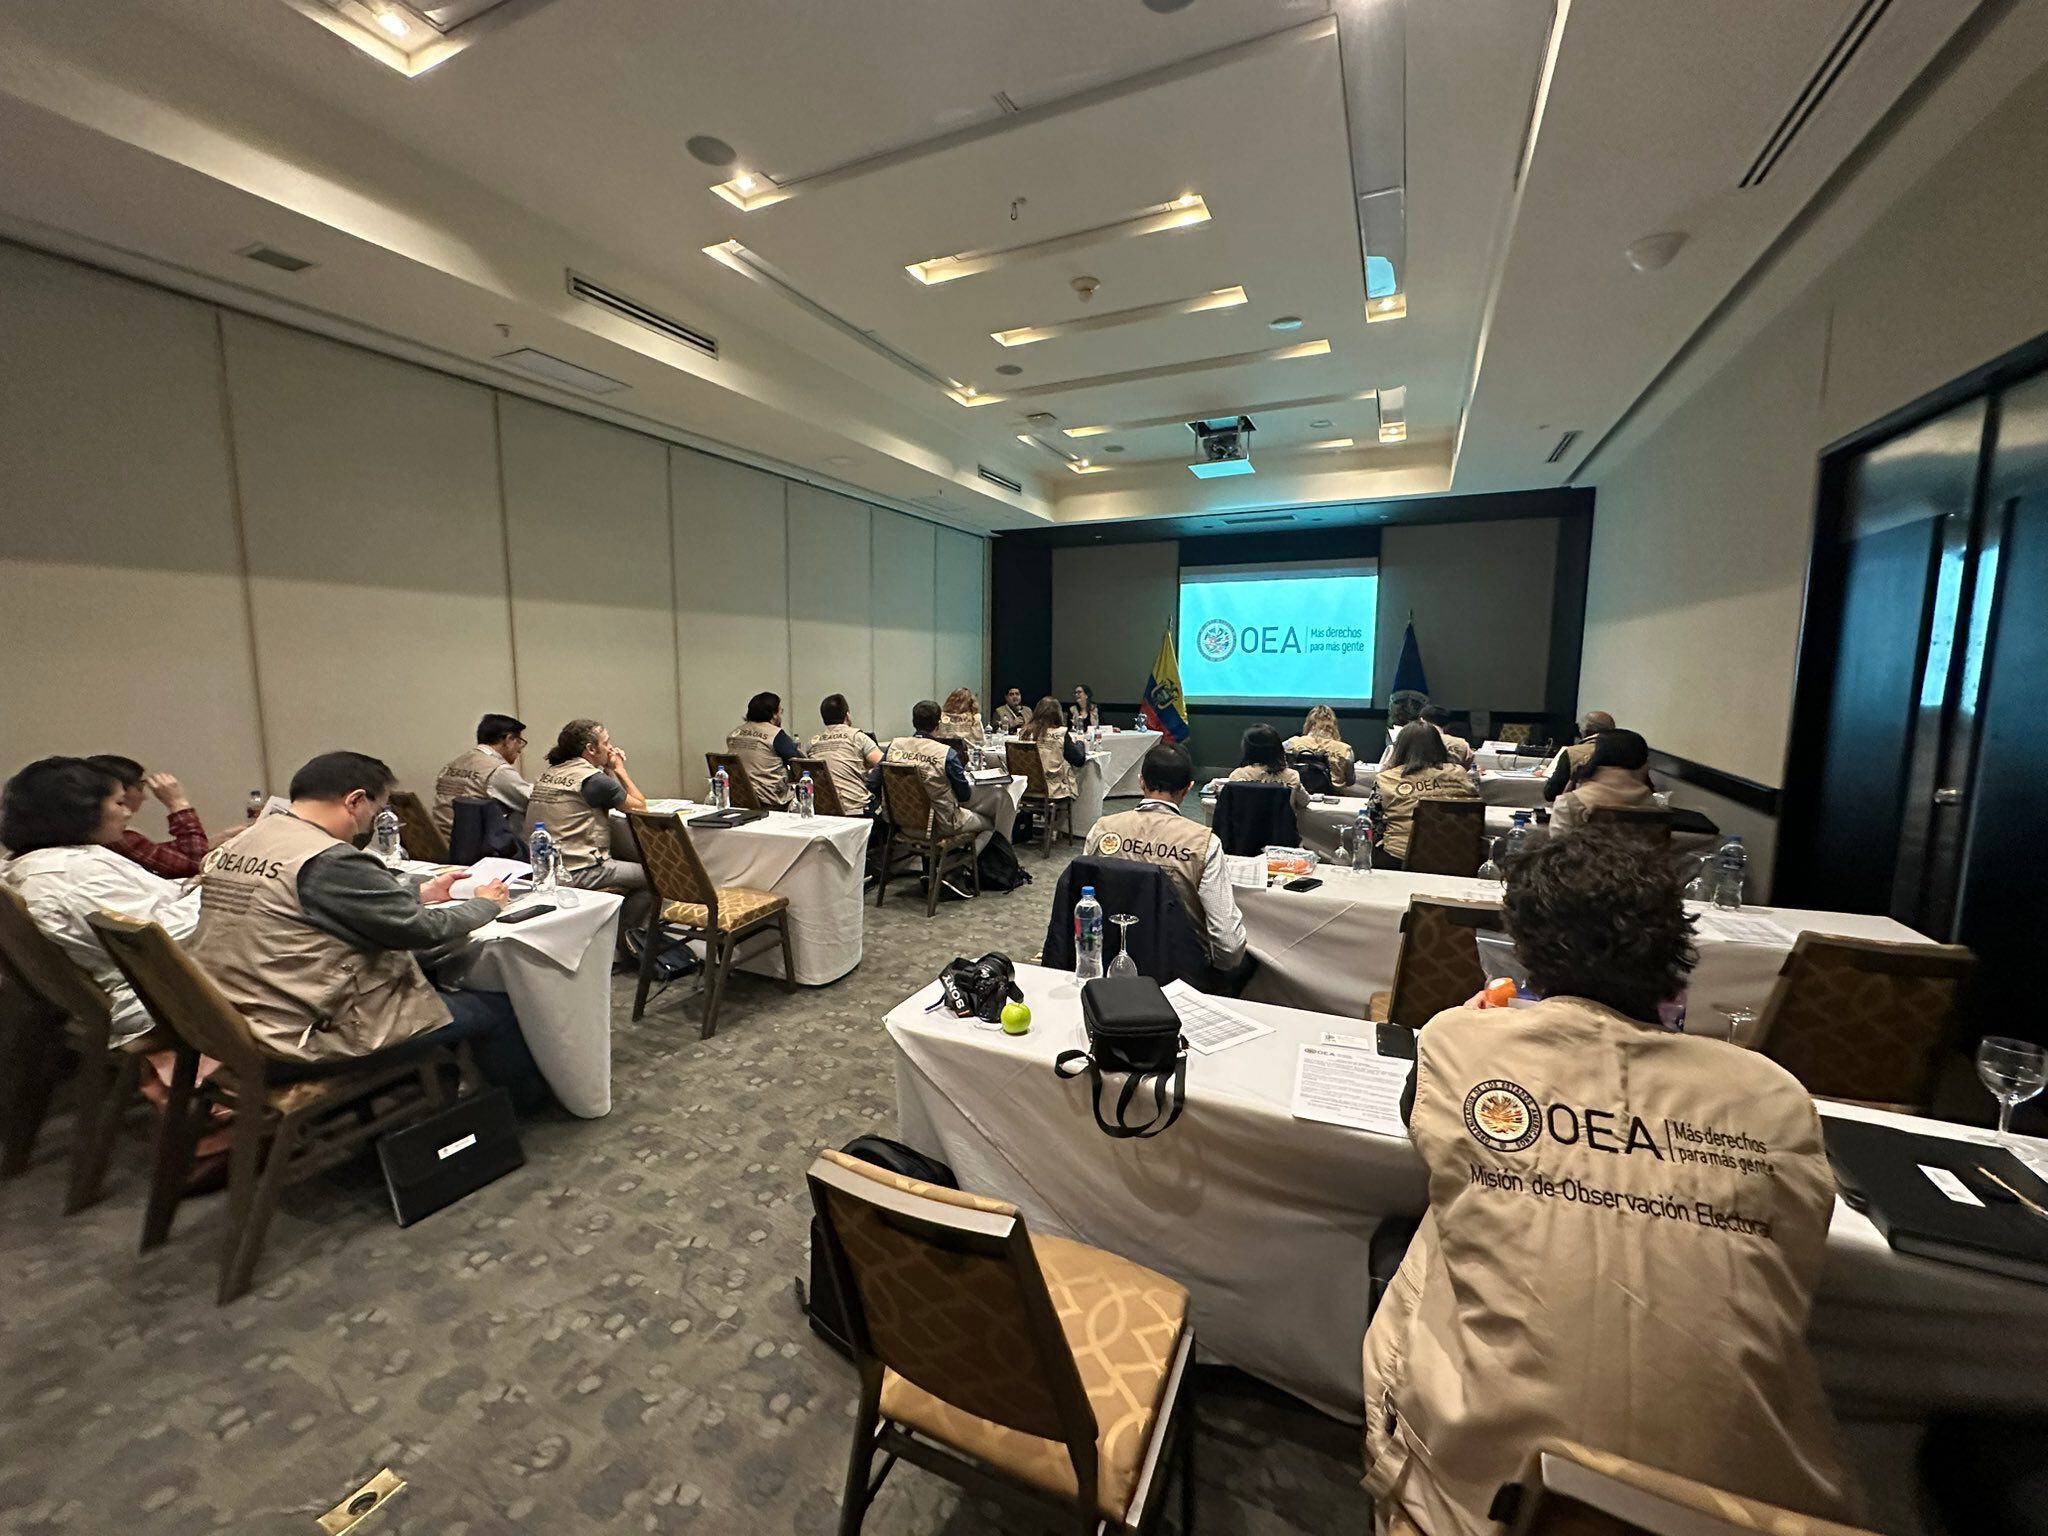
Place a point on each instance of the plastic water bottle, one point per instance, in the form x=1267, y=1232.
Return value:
x=1087, y=936
x=721, y=789
x=1517, y=838
x=806, y=798
x=1361, y=840
x=1730, y=866
x=384, y=840
x=257, y=800
x=546, y=860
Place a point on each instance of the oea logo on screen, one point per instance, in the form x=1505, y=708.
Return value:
x=1217, y=640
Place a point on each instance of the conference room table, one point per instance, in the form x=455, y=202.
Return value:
x=1514, y=788
x=1091, y=783
x=1331, y=948
x=1267, y=1219
x=557, y=970
x=1491, y=760
x=1329, y=817
x=817, y=862
x=996, y=796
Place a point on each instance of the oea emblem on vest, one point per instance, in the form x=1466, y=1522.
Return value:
x=1109, y=843
x=1503, y=1115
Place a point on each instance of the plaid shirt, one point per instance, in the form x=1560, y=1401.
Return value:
x=176, y=860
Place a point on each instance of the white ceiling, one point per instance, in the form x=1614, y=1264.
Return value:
x=164, y=136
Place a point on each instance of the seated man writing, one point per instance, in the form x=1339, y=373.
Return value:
x=1584, y=1272
x=316, y=942
x=1191, y=855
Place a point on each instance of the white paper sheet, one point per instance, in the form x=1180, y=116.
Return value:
x=1743, y=928
x=1247, y=871
x=484, y=871
x=1208, y=1025
x=1350, y=1087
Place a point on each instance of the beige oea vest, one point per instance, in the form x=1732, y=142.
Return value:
x=844, y=749
x=1012, y=717
x=929, y=758
x=1175, y=843
x=1337, y=754
x=1625, y=1231
x=1059, y=773
x=753, y=743
x=581, y=831
x=282, y=973
x=467, y=777
x=965, y=728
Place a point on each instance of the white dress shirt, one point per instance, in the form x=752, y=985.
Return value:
x=61, y=886
x=509, y=789
x=1224, y=935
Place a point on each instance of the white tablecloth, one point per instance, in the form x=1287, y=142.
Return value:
x=1490, y=762
x=1125, y=751
x=816, y=862
x=1266, y=1219
x=1523, y=790
x=1093, y=779
x=997, y=799
x=1331, y=949
x=557, y=970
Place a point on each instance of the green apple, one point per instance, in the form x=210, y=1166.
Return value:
x=1016, y=1019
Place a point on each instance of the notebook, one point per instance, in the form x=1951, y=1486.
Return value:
x=1927, y=1195
x=735, y=817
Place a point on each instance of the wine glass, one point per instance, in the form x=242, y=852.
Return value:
x=1123, y=964
x=2013, y=1071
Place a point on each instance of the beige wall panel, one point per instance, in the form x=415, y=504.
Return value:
x=376, y=550
x=732, y=596
x=593, y=602
x=962, y=661
x=1110, y=606
x=1481, y=595
x=906, y=660
x=831, y=608
x=120, y=574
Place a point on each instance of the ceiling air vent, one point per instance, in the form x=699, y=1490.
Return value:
x=653, y=320
x=1852, y=37
x=1261, y=517
x=1013, y=487
x=271, y=256
x=1564, y=446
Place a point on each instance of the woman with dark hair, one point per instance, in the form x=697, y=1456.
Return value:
x=1616, y=776
x=1082, y=715
x=63, y=818
x=1574, y=1216
x=585, y=781
x=1261, y=759
x=1418, y=768
x=177, y=859
x=1059, y=750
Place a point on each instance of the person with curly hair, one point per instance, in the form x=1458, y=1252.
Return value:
x=1626, y=1226
x=1320, y=735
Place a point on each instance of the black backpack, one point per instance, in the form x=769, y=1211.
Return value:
x=1000, y=870
x=821, y=1301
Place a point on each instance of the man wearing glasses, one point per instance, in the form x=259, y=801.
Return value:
x=487, y=771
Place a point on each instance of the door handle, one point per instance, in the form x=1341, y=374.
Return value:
x=1948, y=797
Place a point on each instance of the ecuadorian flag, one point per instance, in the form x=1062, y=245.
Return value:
x=1165, y=710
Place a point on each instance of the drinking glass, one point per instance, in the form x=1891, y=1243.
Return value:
x=1740, y=1021
x=2013, y=1072
x=1123, y=964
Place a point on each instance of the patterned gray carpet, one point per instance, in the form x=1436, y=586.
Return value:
x=605, y=1341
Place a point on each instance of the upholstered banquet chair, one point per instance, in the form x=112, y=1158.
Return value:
x=1438, y=964
x=416, y=829
x=1645, y=824
x=1568, y=1490
x=1449, y=838
x=284, y=1131
x=992, y=1355
x=824, y=791
x=913, y=822
x=736, y=780
x=1865, y=1021
x=50, y=1008
x=688, y=903
x=1023, y=761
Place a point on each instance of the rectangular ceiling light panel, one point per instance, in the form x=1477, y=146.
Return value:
x=1182, y=213
x=412, y=36
x=1025, y=335
x=968, y=395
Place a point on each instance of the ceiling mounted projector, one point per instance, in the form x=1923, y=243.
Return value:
x=1224, y=447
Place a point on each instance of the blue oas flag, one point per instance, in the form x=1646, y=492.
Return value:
x=1165, y=710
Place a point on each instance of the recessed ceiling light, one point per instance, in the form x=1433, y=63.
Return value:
x=1335, y=442
x=1321, y=425
x=750, y=190
x=1654, y=252
x=1083, y=467
x=1320, y=347
x=1183, y=212
x=1088, y=431
x=1025, y=335
x=1009, y=369
x=393, y=23
x=1393, y=307
x=710, y=150
x=1393, y=431
x=1285, y=323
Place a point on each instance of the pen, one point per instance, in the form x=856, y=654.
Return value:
x=2035, y=1206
